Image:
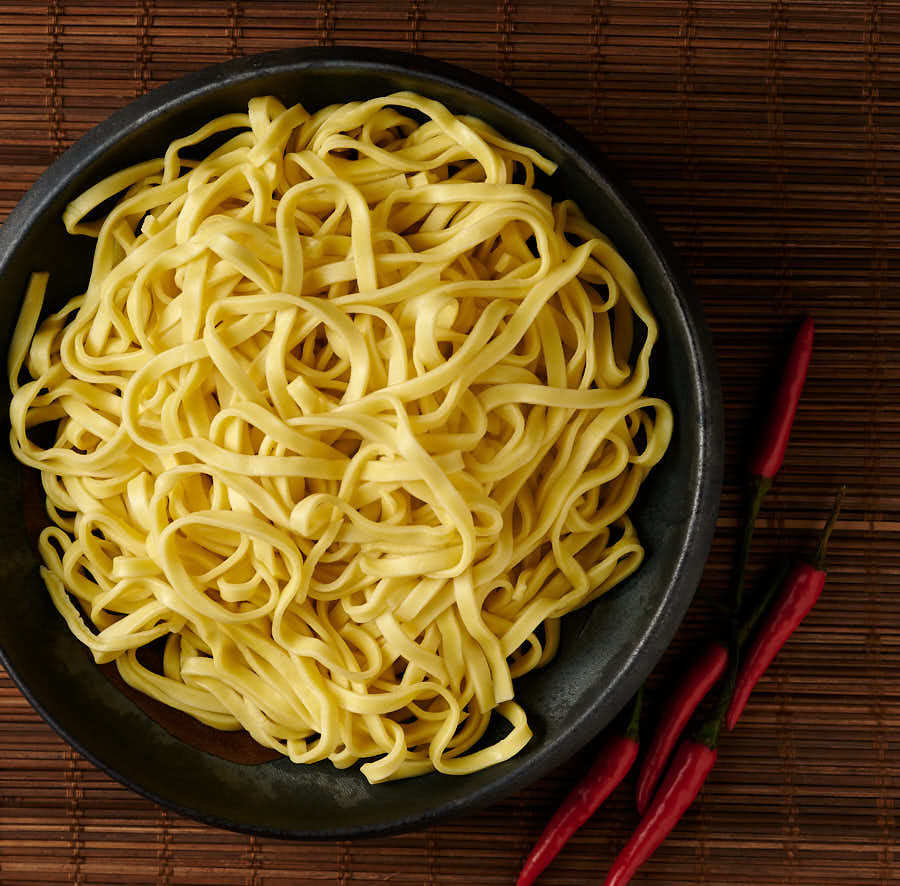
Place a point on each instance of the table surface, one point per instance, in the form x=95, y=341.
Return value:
x=765, y=137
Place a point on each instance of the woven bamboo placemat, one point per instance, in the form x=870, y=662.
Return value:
x=765, y=135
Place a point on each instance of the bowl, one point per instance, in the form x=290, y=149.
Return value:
x=607, y=649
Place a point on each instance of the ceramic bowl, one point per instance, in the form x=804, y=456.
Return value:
x=607, y=649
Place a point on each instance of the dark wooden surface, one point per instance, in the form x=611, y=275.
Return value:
x=765, y=135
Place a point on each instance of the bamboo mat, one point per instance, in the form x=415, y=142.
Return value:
x=765, y=135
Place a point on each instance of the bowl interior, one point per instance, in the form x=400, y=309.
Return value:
x=607, y=649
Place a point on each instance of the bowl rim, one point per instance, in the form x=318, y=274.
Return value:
x=703, y=507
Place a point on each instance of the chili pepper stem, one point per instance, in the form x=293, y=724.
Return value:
x=759, y=486
x=708, y=732
x=818, y=560
x=749, y=623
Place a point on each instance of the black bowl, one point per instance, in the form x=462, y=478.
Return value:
x=607, y=649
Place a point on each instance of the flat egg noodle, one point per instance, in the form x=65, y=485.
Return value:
x=349, y=416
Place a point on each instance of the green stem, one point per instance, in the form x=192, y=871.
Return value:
x=747, y=626
x=708, y=733
x=633, y=729
x=759, y=486
x=818, y=560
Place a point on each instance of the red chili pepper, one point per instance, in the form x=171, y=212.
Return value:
x=696, y=756
x=692, y=764
x=693, y=688
x=772, y=444
x=770, y=450
x=610, y=767
x=700, y=678
x=798, y=595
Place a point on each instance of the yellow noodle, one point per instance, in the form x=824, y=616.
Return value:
x=348, y=411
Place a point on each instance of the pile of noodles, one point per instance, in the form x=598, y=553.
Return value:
x=349, y=416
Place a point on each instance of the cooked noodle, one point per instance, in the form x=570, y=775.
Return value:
x=347, y=417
